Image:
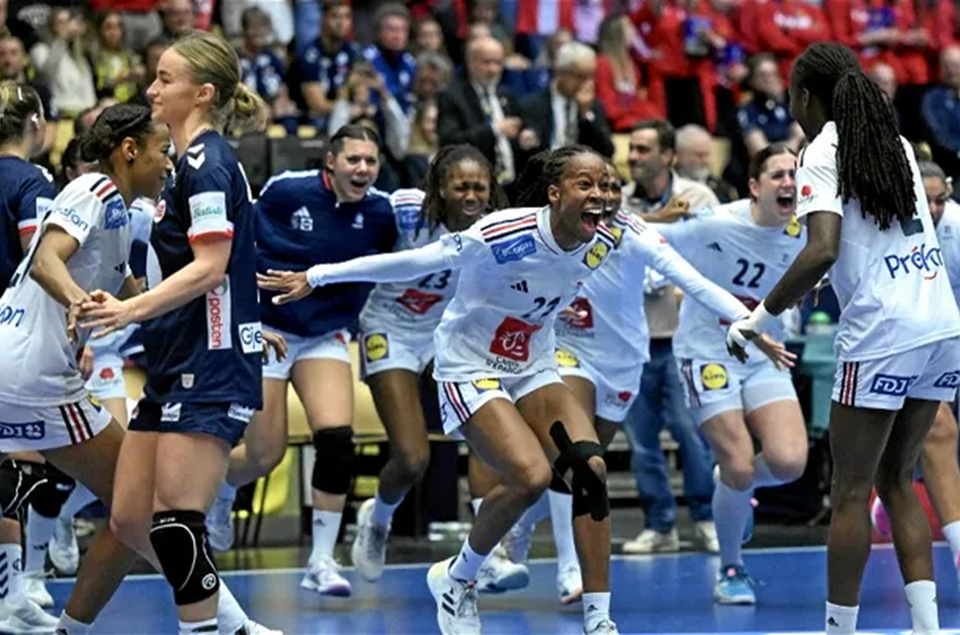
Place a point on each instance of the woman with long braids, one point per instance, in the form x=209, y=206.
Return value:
x=869, y=226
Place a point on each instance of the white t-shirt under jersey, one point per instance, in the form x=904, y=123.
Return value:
x=39, y=366
x=893, y=289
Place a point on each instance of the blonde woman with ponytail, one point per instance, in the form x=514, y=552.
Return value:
x=201, y=322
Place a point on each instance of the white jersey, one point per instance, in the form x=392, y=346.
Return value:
x=746, y=259
x=948, y=233
x=893, y=290
x=39, y=367
x=411, y=308
x=613, y=335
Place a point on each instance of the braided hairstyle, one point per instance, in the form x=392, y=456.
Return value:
x=543, y=170
x=872, y=164
x=115, y=124
x=434, y=209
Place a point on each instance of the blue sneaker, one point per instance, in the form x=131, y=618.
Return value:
x=734, y=586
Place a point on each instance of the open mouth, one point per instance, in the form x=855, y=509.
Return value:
x=787, y=203
x=590, y=219
x=471, y=209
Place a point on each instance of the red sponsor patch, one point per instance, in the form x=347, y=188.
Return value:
x=806, y=190
x=582, y=305
x=340, y=338
x=625, y=396
x=512, y=339
x=107, y=373
x=417, y=301
x=750, y=303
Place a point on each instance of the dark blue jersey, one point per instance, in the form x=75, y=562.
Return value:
x=398, y=70
x=300, y=224
x=207, y=350
x=263, y=74
x=329, y=68
x=26, y=192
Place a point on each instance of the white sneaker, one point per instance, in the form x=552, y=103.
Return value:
x=35, y=586
x=517, y=543
x=650, y=541
x=26, y=616
x=569, y=584
x=456, y=601
x=369, y=551
x=706, y=532
x=220, y=521
x=253, y=628
x=323, y=576
x=498, y=574
x=606, y=627
x=63, y=550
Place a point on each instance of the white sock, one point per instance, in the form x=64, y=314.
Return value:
x=841, y=620
x=79, y=498
x=952, y=533
x=561, y=517
x=596, y=608
x=326, y=526
x=467, y=564
x=922, y=598
x=762, y=476
x=39, y=532
x=206, y=626
x=11, y=561
x=70, y=626
x=230, y=616
x=383, y=511
x=730, y=511
x=536, y=512
x=475, y=505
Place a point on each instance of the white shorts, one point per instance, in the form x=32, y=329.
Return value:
x=712, y=386
x=382, y=350
x=461, y=400
x=930, y=372
x=24, y=428
x=333, y=345
x=613, y=397
x=106, y=382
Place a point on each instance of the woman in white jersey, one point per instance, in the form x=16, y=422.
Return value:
x=82, y=245
x=745, y=247
x=496, y=373
x=869, y=226
x=397, y=325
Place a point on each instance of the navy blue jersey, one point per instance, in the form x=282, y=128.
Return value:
x=300, y=224
x=329, y=68
x=263, y=74
x=398, y=71
x=26, y=192
x=207, y=350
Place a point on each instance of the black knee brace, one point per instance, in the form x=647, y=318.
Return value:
x=18, y=480
x=589, y=492
x=557, y=484
x=48, y=498
x=333, y=469
x=180, y=539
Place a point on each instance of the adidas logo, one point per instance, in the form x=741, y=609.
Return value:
x=592, y=608
x=520, y=286
x=448, y=604
x=715, y=247
x=832, y=622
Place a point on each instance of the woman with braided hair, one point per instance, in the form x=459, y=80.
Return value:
x=870, y=227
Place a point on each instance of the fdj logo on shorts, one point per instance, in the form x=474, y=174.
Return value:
x=892, y=385
x=714, y=377
x=33, y=430
x=376, y=347
x=948, y=380
x=921, y=260
x=512, y=250
x=512, y=339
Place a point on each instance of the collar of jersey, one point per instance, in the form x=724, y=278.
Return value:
x=546, y=234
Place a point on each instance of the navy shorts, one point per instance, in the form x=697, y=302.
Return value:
x=226, y=421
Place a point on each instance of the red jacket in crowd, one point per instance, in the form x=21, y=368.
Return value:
x=785, y=28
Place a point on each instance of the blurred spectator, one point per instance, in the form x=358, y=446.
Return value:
x=13, y=67
x=538, y=76
x=434, y=74
x=178, y=17
x=325, y=63
x=389, y=56
x=427, y=36
x=260, y=67
x=280, y=14
x=884, y=76
x=117, y=70
x=694, y=153
x=477, y=111
x=626, y=94
x=424, y=143
x=151, y=59
x=941, y=113
x=62, y=63
x=486, y=13
x=85, y=120
x=141, y=21
x=567, y=112
x=766, y=118
x=786, y=27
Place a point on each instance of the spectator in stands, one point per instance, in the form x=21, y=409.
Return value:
x=434, y=74
x=567, y=112
x=476, y=111
x=694, y=151
x=884, y=76
x=766, y=118
x=786, y=27
x=117, y=70
x=280, y=14
x=941, y=113
x=151, y=59
x=424, y=143
x=389, y=56
x=62, y=63
x=656, y=189
x=325, y=63
x=260, y=68
x=536, y=77
x=13, y=66
x=623, y=86
x=427, y=36
x=141, y=22
x=179, y=16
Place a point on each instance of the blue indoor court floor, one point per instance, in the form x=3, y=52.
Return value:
x=661, y=594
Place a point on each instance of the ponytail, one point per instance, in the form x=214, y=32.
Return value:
x=249, y=112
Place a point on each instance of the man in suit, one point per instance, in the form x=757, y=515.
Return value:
x=567, y=112
x=475, y=110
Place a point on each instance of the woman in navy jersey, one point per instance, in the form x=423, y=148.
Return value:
x=201, y=324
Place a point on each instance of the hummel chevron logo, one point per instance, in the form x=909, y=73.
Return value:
x=520, y=286
x=715, y=247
